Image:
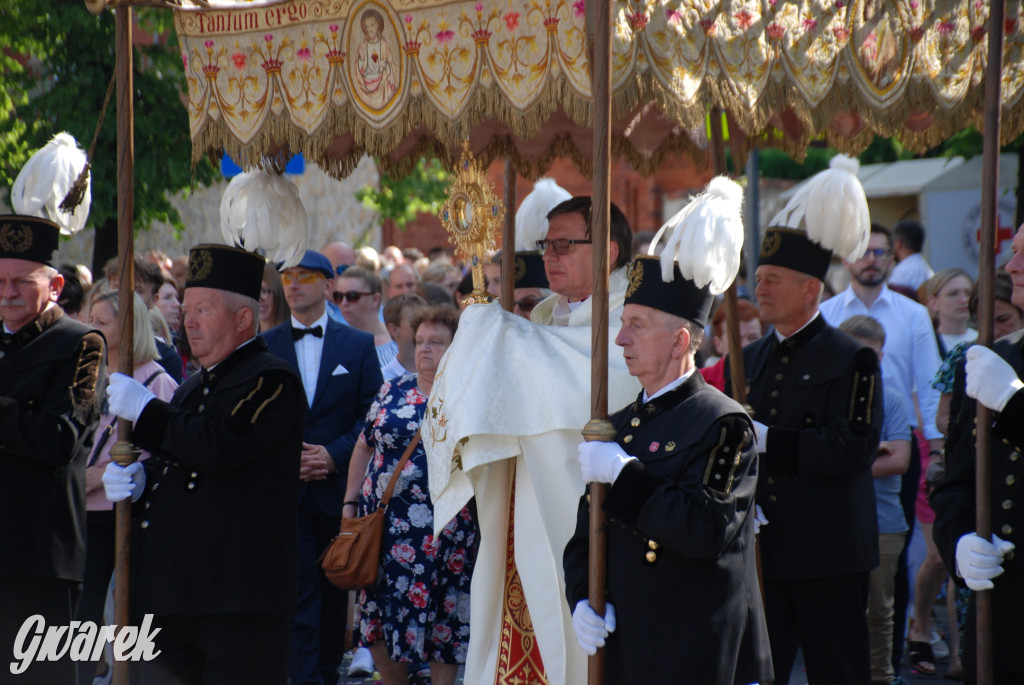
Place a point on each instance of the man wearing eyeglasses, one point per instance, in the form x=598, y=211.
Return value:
x=568, y=263
x=514, y=437
x=339, y=371
x=911, y=357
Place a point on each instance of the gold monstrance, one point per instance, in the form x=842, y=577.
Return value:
x=470, y=215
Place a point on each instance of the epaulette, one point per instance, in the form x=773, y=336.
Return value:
x=865, y=377
x=733, y=433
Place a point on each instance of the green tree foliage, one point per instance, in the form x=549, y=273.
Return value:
x=402, y=199
x=56, y=61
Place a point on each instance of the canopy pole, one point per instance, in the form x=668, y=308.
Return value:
x=123, y=452
x=599, y=428
x=508, y=239
x=986, y=294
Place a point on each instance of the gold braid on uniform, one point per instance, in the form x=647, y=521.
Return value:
x=84, y=388
x=725, y=456
x=862, y=394
x=259, y=398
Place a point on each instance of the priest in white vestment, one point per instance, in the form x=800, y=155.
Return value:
x=502, y=423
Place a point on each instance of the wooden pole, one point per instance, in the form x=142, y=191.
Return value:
x=508, y=240
x=123, y=452
x=599, y=428
x=986, y=291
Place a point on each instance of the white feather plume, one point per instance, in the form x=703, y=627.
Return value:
x=705, y=237
x=46, y=179
x=832, y=208
x=261, y=210
x=532, y=215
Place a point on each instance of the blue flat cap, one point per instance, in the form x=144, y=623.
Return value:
x=314, y=261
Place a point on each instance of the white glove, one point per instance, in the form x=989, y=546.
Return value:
x=122, y=482
x=759, y=519
x=127, y=396
x=591, y=629
x=761, y=431
x=990, y=380
x=601, y=462
x=978, y=561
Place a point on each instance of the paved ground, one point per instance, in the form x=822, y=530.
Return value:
x=799, y=677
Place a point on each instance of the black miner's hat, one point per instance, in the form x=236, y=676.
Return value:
x=225, y=268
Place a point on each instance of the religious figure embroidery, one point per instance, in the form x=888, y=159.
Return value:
x=377, y=80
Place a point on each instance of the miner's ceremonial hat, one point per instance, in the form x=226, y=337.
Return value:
x=700, y=258
x=828, y=215
x=225, y=268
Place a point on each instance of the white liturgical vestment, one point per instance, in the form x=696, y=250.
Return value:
x=511, y=391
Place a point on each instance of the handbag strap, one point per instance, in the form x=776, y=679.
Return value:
x=109, y=430
x=398, y=471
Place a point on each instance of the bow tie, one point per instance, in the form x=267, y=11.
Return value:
x=300, y=333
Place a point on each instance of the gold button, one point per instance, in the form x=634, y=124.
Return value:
x=145, y=524
x=628, y=439
x=775, y=393
x=807, y=376
x=774, y=411
x=1007, y=529
x=671, y=445
x=1008, y=555
x=1007, y=504
x=773, y=498
x=771, y=480
x=191, y=486
x=635, y=422
x=651, y=556
x=785, y=360
x=1010, y=479
x=202, y=408
x=652, y=544
x=206, y=391
x=778, y=376
x=1014, y=456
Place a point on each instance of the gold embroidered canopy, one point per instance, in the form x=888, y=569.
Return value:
x=397, y=79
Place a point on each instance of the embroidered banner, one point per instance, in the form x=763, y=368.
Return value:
x=336, y=79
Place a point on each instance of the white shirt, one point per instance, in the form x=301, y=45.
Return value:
x=308, y=351
x=393, y=369
x=911, y=354
x=912, y=271
x=671, y=386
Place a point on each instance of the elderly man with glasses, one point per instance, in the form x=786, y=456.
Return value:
x=341, y=376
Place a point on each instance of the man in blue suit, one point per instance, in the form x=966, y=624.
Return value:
x=341, y=376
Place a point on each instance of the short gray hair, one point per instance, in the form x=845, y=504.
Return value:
x=237, y=301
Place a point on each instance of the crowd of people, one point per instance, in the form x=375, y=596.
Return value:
x=271, y=402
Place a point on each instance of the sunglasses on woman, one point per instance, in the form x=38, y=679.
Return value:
x=351, y=296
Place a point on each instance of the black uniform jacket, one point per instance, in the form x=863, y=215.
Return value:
x=217, y=521
x=50, y=373
x=820, y=393
x=682, y=574
x=955, y=504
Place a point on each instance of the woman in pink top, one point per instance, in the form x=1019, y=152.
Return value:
x=99, y=552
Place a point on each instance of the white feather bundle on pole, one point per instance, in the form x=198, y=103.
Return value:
x=262, y=210
x=45, y=181
x=705, y=237
x=532, y=215
x=832, y=208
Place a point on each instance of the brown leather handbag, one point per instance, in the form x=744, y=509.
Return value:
x=351, y=560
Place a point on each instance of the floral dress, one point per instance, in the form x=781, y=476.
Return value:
x=420, y=603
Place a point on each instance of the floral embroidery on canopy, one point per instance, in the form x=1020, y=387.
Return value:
x=336, y=79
